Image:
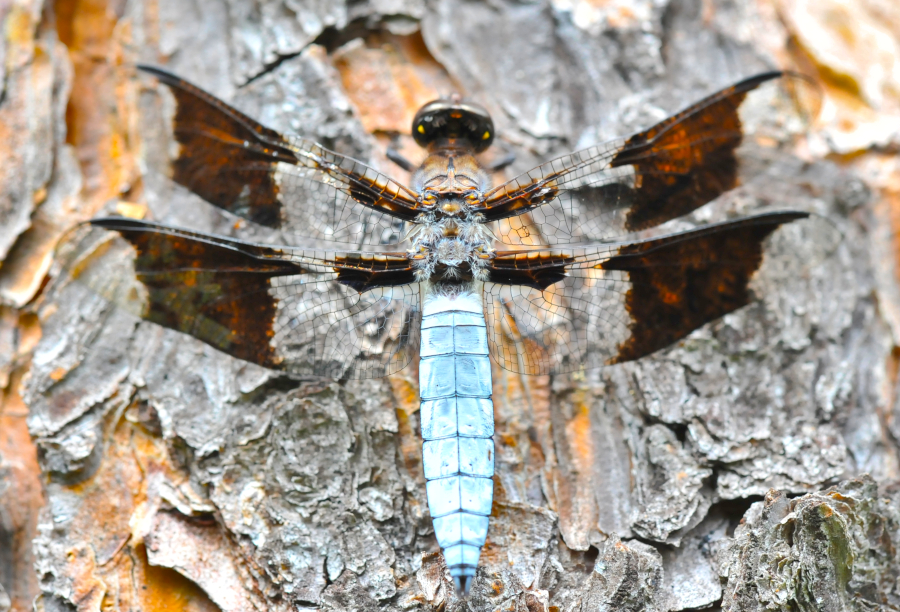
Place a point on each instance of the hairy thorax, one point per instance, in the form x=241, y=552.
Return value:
x=451, y=245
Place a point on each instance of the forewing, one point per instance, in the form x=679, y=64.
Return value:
x=340, y=315
x=659, y=174
x=554, y=312
x=280, y=182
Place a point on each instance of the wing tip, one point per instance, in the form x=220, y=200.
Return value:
x=158, y=72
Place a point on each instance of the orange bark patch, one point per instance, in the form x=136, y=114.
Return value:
x=163, y=590
x=578, y=511
x=389, y=79
x=97, y=113
x=107, y=564
x=579, y=433
x=405, y=388
x=18, y=27
x=21, y=501
x=890, y=192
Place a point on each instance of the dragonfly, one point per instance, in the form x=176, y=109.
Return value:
x=567, y=267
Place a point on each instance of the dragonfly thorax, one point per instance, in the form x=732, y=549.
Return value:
x=450, y=242
x=450, y=182
x=451, y=250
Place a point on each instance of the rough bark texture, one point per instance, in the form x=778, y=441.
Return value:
x=750, y=467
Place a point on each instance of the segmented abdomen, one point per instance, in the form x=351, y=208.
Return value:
x=457, y=426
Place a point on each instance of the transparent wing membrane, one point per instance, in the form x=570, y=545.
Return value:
x=334, y=198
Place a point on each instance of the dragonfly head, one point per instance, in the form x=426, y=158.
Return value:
x=449, y=121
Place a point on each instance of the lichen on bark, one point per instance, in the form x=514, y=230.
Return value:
x=829, y=550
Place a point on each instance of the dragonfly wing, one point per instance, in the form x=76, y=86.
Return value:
x=277, y=181
x=318, y=313
x=657, y=175
x=560, y=311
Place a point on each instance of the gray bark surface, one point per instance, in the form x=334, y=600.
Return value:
x=749, y=467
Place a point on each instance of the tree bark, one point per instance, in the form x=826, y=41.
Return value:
x=752, y=466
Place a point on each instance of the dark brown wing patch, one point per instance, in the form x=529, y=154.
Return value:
x=371, y=194
x=502, y=204
x=217, y=292
x=681, y=282
x=225, y=157
x=364, y=272
x=536, y=269
x=687, y=160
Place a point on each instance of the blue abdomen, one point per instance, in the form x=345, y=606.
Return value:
x=457, y=427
